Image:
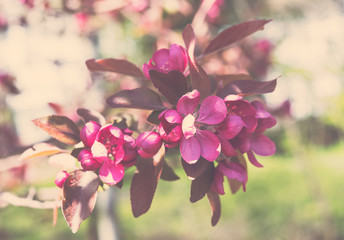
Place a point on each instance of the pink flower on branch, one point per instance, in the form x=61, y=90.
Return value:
x=192, y=128
x=165, y=60
x=108, y=149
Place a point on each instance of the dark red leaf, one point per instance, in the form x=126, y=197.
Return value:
x=172, y=85
x=79, y=197
x=145, y=181
x=91, y=115
x=199, y=78
x=141, y=98
x=232, y=77
x=168, y=174
x=60, y=128
x=247, y=88
x=114, y=65
x=201, y=185
x=153, y=117
x=234, y=184
x=195, y=170
x=215, y=204
x=234, y=34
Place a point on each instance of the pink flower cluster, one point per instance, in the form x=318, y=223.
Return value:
x=108, y=150
x=214, y=128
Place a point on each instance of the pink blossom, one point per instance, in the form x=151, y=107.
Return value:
x=148, y=144
x=170, y=128
x=108, y=149
x=165, y=60
x=61, y=178
x=255, y=142
x=196, y=138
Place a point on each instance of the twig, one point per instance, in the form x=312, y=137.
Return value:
x=7, y=198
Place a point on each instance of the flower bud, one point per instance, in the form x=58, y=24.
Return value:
x=148, y=144
x=88, y=162
x=61, y=178
x=89, y=132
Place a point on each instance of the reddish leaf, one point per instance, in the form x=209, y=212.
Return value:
x=215, y=204
x=40, y=149
x=172, y=85
x=201, y=185
x=142, y=98
x=234, y=34
x=153, y=117
x=195, y=170
x=168, y=174
x=247, y=87
x=60, y=128
x=232, y=77
x=114, y=65
x=234, y=184
x=79, y=197
x=91, y=115
x=144, y=182
x=199, y=78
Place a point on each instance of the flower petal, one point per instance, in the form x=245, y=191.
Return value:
x=110, y=172
x=161, y=58
x=260, y=110
x=188, y=126
x=188, y=102
x=231, y=126
x=178, y=58
x=190, y=150
x=213, y=110
x=226, y=147
x=233, y=170
x=99, y=151
x=253, y=159
x=89, y=132
x=262, y=145
x=210, y=144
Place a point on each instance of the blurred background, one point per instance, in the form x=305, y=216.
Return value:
x=297, y=195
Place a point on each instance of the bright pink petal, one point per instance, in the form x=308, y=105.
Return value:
x=210, y=144
x=233, y=170
x=213, y=110
x=188, y=102
x=89, y=132
x=190, y=150
x=226, y=148
x=262, y=145
x=99, y=151
x=178, y=58
x=260, y=110
x=110, y=172
x=253, y=159
x=188, y=126
x=161, y=58
x=231, y=126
